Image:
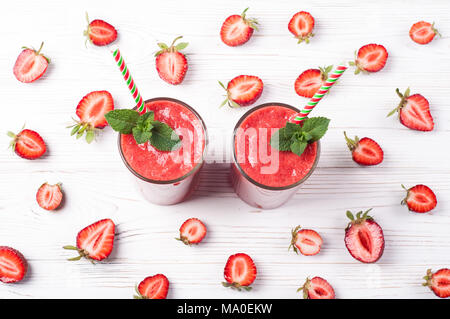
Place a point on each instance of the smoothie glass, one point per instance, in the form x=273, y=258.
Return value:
x=274, y=187
x=167, y=178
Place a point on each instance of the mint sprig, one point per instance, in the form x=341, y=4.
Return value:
x=295, y=137
x=144, y=128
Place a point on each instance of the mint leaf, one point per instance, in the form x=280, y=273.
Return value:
x=164, y=138
x=141, y=136
x=298, y=147
x=315, y=127
x=122, y=121
x=295, y=138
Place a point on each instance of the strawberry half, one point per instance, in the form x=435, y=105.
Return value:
x=242, y=90
x=423, y=32
x=30, y=65
x=91, y=112
x=419, y=199
x=171, y=64
x=49, y=197
x=192, y=231
x=27, y=144
x=414, y=111
x=95, y=242
x=365, y=151
x=100, y=32
x=370, y=58
x=13, y=265
x=301, y=26
x=439, y=282
x=239, y=272
x=310, y=81
x=307, y=241
x=154, y=287
x=364, y=238
x=237, y=29
x=317, y=288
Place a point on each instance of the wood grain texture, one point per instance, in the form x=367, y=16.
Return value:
x=97, y=184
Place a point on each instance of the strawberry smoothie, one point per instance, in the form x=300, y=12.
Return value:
x=167, y=177
x=263, y=176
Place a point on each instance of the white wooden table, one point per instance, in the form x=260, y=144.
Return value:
x=97, y=184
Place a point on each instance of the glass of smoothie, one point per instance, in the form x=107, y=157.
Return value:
x=167, y=177
x=262, y=176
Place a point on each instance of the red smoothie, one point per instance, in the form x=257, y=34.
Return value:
x=157, y=165
x=250, y=142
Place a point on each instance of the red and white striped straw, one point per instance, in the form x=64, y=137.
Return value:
x=129, y=81
x=334, y=76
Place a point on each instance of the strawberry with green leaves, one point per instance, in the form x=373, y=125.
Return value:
x=317, y=288
x=301, y=26
x=370, y=58
x=171, y=64
x=438, y=282
x=91, y=112
x=30, y=65
x=307, y=241
x=240, y=272
x=243, y=90
x=237, y=29
x=192, y=231
x=153, y=287
x=99, y=32
x=419, y=198
x=423, y=32
x=27, y=144
x=310, y=81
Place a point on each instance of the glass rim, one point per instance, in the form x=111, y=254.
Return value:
x=193, y=170
x=251, y=180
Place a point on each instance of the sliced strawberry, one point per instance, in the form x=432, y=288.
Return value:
x=30, y=65
x=423, y=32
x=301, y=26
x=237, y=29
x=365, y=151
x=239, y=272
x=48, y=196
x=242, y=90
x=307, y=241
x=439, y=282
x=192, y=231
x=317, y=288
x=13, y=265
x=100, y=32
x=370, y=58
x=91, y=111
x=364, y=238
x=95, y=242
x=310, y=81
x=27, y=144
x=170, y=63
x=420, y=199
x=154, y=287
x=414, y=111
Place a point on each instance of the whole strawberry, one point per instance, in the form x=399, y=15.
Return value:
x=171, y=64
x=370, y=58
x=99, y=32
x=439, y=282
x=365, y=151
x=13, y=265
x=364, y=238
x=242, y=90
x=419, y=199
x=414, y=111
x=307, y=241
x=49, y=197
x=310, y=81
x=192, y=231
x=239, y=272
x=237, y=29
x=95, y=242
x=301, y=26
x=27, y=144
x=423, y=32
x=30, y=65
x=153, y=287
x=317, y=288
x=91, y=112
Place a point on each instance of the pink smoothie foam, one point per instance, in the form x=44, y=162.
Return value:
x=167, y=165
x=291, y=169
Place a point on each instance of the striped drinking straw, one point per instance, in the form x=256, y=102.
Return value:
x=129, y=81
x=334, y=76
